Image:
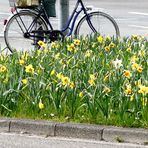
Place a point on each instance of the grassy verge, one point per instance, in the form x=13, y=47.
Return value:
x=92, y=80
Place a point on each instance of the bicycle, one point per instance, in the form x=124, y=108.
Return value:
x=30, y=24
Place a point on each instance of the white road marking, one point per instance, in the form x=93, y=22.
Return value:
x=4, y=13
x=126, y=19
x=138, y=13
x=1, y=35
x=138, y=26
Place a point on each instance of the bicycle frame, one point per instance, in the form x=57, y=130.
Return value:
x=74, y=16
x=38, y=25
x=70, y=23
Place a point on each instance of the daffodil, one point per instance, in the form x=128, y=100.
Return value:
x=100, y=39
x=91, y=82
x=106, y=90
x=41, y=105
x=59, y=76
x=135, y=37
x=117, y=63
x=71, y=85
x=142, y=53
x=3, y=69
x=134, y=59
x=57, y=56
x=139, y=69
x=42, y=44
x=53, y=45
x=52, y=72
x=129, y=49
x=127, y=74
x=65, y=81
x=71, y=47
x=135, y=66
x=29, y=69
x=143, y=90
x=81, y=94
x=88, y=53
x=92, y=76
x=24, y=81
x=77, y=42
x=107, y=48
x=128, y=90
x=112, y=45
x=21, y=62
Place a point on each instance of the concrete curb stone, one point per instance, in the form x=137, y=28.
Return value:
x=129, y=135
x=75, y=130
x=83, y=131
x=37, y=127
x=4, y=125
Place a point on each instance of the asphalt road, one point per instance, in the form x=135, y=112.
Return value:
x=131, y=15
x=9, y=140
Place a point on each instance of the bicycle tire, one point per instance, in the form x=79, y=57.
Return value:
x=15, y=30
x=106, y=25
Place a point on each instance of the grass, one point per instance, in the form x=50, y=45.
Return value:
x=89, y=80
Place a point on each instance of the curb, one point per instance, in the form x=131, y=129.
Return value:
x=128, y=135
x=82, y=131
x=74, y=130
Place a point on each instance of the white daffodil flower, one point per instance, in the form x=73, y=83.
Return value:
x=117, y=63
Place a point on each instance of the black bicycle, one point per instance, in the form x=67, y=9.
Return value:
x=31, y=24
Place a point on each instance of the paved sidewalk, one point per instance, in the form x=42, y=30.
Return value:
x=74, y=130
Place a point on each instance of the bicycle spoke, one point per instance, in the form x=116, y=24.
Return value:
x=18, y=31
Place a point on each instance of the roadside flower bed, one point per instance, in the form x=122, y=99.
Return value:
x=93, y=80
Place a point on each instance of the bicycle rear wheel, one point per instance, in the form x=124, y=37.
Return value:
x=101, y=23
x=18, y=31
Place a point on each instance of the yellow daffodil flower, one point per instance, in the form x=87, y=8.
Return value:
x=100, y=39
x=3, y=69
x=65, y=81
x=91, y=82
x=77, y=42
x=71, y=47
x=127, y=74
x=139, y=69
x=41, y=105
x=29, y=69
x=143, y=90
x=81, y=94
x=24, y=81
x=128, y=90
x=21, y=62
x=52, y=72
x=107, y=48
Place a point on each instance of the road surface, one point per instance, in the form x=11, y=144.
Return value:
x=12, y=140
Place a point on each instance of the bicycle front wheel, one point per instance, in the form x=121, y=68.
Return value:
x=97, y=22
x=18, y=31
